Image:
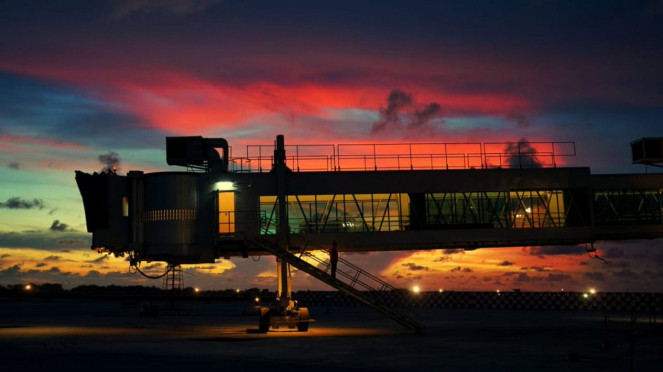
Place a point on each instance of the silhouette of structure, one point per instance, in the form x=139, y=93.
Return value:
x=392, y=197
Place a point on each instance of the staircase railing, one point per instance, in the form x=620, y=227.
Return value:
x=321, y=275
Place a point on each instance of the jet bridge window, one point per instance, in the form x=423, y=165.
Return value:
x=337, y=213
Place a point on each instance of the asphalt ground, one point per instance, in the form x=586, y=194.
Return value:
x=108, y=335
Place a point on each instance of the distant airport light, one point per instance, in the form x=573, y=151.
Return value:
x=416, y=289
x=28, y=287
x=585, y=295
x=592, y=291
x=441, y=290
x=196, y=289
x=225, y=186
x=562, y=289
x=237, y=290
x=257, y=299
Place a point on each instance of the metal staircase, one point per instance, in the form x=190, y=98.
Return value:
x=348, y=289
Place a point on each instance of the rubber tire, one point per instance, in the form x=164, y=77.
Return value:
x=263, y=326
x=302, y=325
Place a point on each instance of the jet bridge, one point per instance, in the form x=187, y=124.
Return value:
x=391, y=197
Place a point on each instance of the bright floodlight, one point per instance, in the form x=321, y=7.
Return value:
x=237, y=290
x=225, y=186
x=592, y=291
x=441, y=290
x=416, y=289
x=257, y=299
x=585, y=295
x=28, y=287
x=196, y=289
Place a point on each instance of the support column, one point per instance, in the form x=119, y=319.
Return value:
x=282, y=268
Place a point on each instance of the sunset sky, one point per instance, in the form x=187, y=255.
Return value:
x=80, y=80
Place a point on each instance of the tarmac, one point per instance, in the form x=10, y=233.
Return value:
x=108, y=335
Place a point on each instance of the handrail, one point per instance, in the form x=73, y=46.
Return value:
x=406, y=156
x=359, y=271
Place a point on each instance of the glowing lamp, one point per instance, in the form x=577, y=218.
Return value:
x=592, y=291
x=28, y=287
x=225, y=186
x=257, y=299
x=196, y=289
x=416, y=289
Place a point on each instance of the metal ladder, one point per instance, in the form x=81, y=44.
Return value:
x=348, y=289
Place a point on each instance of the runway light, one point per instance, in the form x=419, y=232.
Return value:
x=28, y=287
x=416, y=289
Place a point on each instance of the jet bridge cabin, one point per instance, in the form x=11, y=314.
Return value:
x=382, y=201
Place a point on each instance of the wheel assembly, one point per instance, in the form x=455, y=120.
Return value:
x=302, y=325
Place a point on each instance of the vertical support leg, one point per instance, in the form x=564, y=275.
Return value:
x=285, y=286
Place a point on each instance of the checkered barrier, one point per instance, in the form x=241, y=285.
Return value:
x=493, y=300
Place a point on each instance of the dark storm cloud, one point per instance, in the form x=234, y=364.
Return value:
x=402, y=112
x=397, y=101
x=18, y=203
x=426, y=115
x=521, y=154
x=14, y=165
x=110, y=160
x=414, y=267
x=60, y=227
x=505, y=263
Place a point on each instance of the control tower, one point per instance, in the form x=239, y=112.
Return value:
x=288, y=200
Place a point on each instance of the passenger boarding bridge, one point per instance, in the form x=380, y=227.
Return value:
x=284, y=200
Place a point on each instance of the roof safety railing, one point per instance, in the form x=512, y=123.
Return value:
x=412, y=156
